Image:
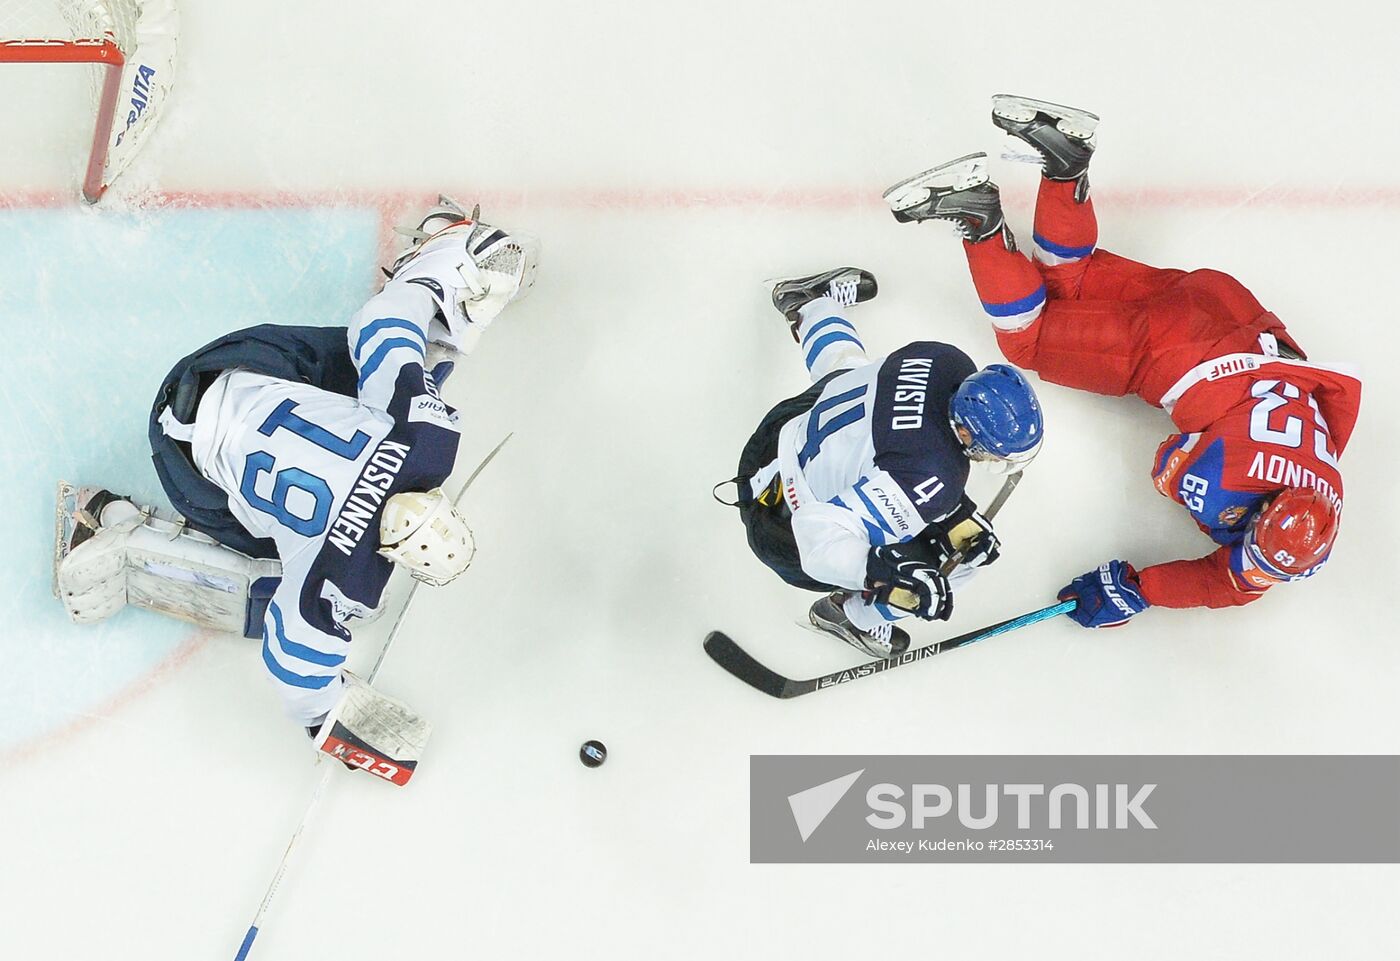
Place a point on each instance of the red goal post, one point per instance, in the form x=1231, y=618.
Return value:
x=131, y=45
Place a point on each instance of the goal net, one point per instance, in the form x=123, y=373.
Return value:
x=131, y=47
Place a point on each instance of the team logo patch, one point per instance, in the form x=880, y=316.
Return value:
x=1231, y=516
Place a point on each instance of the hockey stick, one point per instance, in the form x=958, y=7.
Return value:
x=311, y=805
x=734, y=659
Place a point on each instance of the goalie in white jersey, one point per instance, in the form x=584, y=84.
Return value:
x=855, y=488
x=304, y=463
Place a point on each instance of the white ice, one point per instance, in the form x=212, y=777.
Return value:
x=671, y=156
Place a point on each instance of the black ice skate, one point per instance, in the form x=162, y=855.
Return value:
x=1063, y=136
x=959, y=192
x=845, y=285
x=884, y=641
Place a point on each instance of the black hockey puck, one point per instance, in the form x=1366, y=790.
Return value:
x=593, y=753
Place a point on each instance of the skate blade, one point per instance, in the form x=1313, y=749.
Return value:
x=808, y=625
x=1071, y=121
x=961, y=174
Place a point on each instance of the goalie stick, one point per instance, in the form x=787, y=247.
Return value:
x=734, y=659
x=311, y=805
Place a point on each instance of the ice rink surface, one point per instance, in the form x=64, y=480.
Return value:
x=671, y=156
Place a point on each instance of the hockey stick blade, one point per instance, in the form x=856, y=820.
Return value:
x=737, y=661
x=729, y=655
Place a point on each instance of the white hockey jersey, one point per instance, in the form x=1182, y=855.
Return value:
x=312, y=469
x=874, y=461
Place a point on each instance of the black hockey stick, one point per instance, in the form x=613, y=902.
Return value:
x=734, y=659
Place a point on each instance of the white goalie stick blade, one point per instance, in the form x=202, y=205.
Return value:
x=373, y=732
x=65, y=506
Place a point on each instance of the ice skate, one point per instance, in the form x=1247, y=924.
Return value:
x=80, y=515
x=845, y=285
x=884, y=641
x=442, y=215
x=958, y=191
x=1063, y=136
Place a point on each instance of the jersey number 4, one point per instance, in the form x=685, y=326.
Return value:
x=289, y=479
x=1274, y=394
x=819, y=429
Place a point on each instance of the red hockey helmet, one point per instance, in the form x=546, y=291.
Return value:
x=1293, y=534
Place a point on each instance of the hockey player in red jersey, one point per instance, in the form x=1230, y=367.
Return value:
x=1261, y=428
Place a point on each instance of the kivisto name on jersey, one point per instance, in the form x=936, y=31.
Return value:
x=910, y=393
x=364, y=501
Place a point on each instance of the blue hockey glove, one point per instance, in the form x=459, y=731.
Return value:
x=1107, y=596
x=443, y=371
x=906, y=576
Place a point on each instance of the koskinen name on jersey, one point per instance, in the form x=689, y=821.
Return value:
x=373, y=484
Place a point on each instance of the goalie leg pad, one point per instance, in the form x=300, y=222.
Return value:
x=373, y=732
x=131, y=555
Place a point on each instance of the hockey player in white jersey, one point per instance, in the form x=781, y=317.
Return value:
x=855, y=488
x=304, y=489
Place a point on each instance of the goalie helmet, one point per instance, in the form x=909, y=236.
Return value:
x=1292, y=535
x=423, y=531
x=997, y=418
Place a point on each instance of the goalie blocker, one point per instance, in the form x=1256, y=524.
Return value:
x=371, y=732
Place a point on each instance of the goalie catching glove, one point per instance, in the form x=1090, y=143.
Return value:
x=472, y=269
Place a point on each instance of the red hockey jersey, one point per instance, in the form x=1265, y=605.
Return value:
x=1251, y=425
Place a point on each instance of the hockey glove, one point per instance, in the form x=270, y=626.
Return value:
x=980, y=544
x=1107, y=596
x=982, y=550
x=907, y=576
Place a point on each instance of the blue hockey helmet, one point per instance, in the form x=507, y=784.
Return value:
x=997, y=417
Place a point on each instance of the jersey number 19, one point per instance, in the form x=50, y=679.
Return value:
x=294, y=478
